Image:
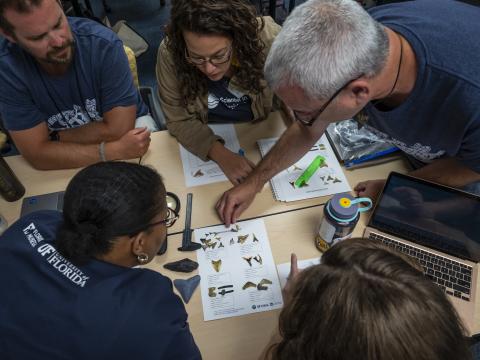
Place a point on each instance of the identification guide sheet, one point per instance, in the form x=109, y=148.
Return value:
x=198, y=172
x=237, y=270
x=327, y=180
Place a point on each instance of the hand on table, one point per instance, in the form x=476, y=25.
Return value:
x=235, y=167
x=370, y=188
x=133, y=144
x=234, y=201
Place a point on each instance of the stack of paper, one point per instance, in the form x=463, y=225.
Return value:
x=327, y=180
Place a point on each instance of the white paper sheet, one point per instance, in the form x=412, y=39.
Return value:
x=237, y=270
x=327, y=180
x=198, y=172
x=284, y=269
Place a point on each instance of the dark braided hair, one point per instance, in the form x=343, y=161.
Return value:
x=104, y=201
x=234, y=19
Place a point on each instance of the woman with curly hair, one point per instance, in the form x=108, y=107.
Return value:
x=210, y=69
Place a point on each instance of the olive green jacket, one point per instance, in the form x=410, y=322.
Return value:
x=189, y=123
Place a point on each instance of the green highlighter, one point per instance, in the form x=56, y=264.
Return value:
x=308, y=173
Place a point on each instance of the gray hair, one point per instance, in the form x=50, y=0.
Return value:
x=323, y=45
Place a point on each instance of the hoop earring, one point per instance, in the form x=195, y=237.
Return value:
x=142, y=258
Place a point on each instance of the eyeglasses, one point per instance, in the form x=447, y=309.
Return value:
x=214, y=60
x=172, y=217
x=308, y=120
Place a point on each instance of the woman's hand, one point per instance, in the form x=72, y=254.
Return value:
x=287, y=290
x=235, y=167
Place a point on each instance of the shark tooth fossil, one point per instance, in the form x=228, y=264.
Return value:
x=186, y=287
x=211, y=292
x=221, y=245
x=232, y=241
x=248, y=284
x=262, y=283
x=185, y=265
x=242, y=238
x=217, y=264
x=254, y=238
x=258, y=259
x=198, y=173
x=248, y=260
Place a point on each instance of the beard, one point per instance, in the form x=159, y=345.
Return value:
x=52, y=55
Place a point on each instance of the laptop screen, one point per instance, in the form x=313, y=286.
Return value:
x=429, y=214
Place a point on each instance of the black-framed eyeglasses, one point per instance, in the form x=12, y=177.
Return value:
x=172, y=217
x=307, y=119
x=214, y=60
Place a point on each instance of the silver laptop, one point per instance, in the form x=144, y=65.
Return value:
x=440, y=227
x=51, y=201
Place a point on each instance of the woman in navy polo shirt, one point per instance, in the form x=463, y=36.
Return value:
x=70, y=286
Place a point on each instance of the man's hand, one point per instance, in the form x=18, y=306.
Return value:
x=132, y=145
x=370, y=188
x=235, y=201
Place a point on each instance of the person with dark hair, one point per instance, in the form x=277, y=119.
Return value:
x=210, y=70
x=366, y=302
x=70, y=283
x=67, y=97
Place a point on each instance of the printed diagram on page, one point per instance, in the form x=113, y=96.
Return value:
x=328, y=179
x=198, y=172
x=237, y=270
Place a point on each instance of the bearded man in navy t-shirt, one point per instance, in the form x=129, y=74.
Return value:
x=67, y=96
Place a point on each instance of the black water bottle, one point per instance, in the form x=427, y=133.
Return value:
x=11, y=188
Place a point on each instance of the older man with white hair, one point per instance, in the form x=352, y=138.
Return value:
x=412, y=71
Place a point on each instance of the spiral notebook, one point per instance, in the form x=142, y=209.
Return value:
x=327, y=180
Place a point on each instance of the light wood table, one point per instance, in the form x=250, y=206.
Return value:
x=242, y=337
x=164, y=156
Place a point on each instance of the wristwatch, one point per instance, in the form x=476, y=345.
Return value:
x=54, y=135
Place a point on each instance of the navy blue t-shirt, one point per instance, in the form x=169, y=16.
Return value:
x=441, y=116
x=52, y=309
x=98, y=80
x=227, y=105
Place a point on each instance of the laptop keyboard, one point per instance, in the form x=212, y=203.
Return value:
x=452, y=277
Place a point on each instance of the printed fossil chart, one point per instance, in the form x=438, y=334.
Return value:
x=328, y=179
x=237, y=270
x=198, y=172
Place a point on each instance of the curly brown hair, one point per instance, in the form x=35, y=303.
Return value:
x=235, y=19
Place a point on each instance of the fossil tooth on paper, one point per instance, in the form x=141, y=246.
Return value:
x=262, y=283
x=248, y=260
x=221, y=245
x=258, y=259
x=254, y=238
x=242, y=239
x=217, y=264
x=232, y=241
x=198, y=173
x=248, y=284
x=211, y=292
